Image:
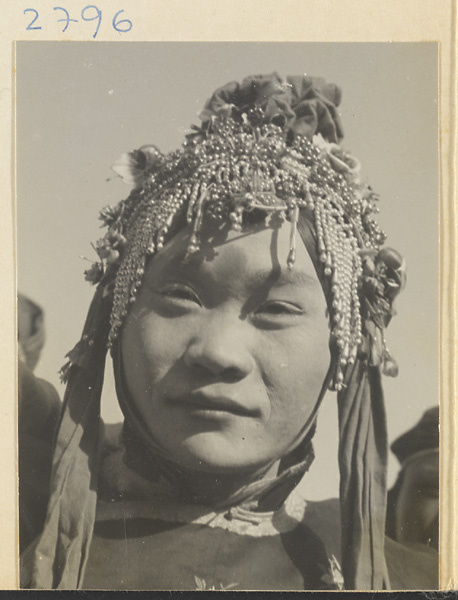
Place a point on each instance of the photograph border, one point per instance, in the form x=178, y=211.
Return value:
x=258, y=20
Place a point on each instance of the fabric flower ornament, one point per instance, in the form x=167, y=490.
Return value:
x=392, y=268
x=383, y=279
x=341, y=161
x=134, y=167
x=111, y=215
x=95, y=273
x=109, y=247
x=301, y=105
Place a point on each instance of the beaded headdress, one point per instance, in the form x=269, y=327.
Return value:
x=270, y=146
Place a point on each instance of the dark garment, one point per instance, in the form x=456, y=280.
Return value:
x=149, y=554
x=158, y=555
x=39, y=409
x=412, y=567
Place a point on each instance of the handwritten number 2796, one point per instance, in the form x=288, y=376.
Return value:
x=89, y=13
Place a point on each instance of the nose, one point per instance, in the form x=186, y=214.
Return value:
x=221, y=347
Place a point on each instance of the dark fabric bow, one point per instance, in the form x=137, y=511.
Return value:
x=301, y=105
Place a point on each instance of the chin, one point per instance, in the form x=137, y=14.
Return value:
x=209, y=453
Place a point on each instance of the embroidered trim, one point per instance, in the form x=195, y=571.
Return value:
x=237, y=520
x=153, y=503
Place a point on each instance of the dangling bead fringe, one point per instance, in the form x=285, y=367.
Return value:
x=233, y=171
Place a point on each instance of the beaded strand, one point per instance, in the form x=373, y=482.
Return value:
x=237, y=168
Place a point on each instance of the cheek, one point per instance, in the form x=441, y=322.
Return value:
x=150, y=346
x=294, y=374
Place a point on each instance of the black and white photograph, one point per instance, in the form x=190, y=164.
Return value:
x=228, y=315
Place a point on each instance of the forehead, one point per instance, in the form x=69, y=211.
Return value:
x=255, y=252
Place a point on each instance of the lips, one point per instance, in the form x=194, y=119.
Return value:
x=202, y=402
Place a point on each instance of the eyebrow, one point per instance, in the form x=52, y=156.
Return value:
x=273, y=277
x=296, y=277
x=282, y=277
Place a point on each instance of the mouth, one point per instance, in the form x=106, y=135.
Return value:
x=203, y=404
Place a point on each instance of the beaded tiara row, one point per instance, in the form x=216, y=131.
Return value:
x=238, y=167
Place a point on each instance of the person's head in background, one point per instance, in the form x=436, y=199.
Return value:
x=30, y=329
x=413, y=502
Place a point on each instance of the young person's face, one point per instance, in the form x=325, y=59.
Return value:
x=225, y=353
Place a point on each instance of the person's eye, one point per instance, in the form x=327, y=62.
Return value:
x=277, y=314
x=280, y=308
x=180, y=293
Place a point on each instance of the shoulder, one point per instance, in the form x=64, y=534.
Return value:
x=39, y=408
x=411, y=567
x=39, y=404
x=323, y=518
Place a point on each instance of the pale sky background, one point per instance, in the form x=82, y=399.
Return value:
x=80, y=105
